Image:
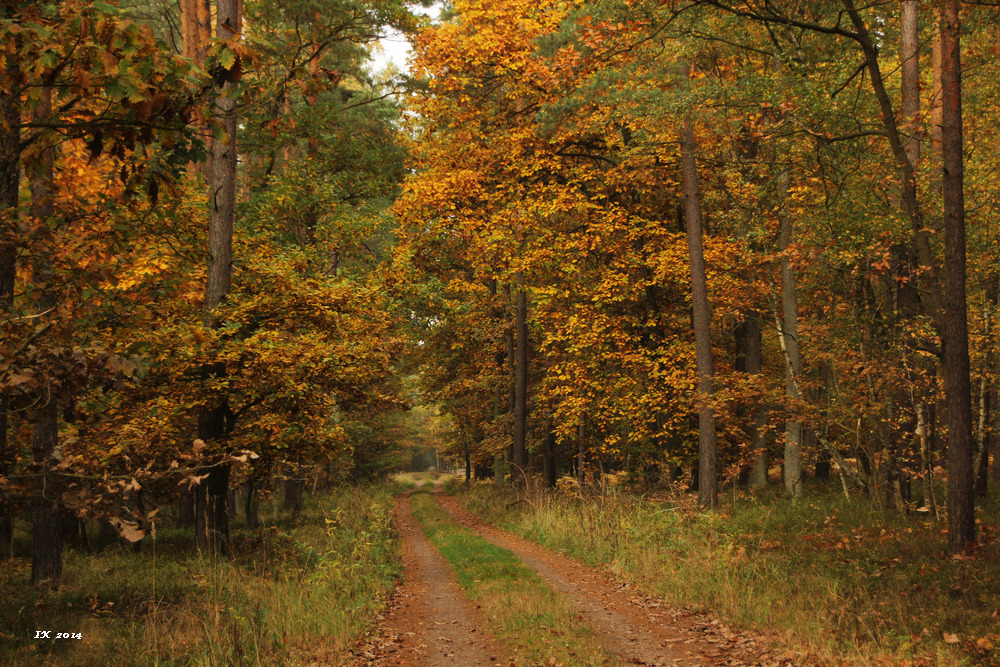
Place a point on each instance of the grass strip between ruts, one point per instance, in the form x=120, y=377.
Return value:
x=529, y=618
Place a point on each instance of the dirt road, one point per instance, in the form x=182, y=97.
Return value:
x=430, y=622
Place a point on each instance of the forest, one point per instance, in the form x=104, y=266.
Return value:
x=673, y=287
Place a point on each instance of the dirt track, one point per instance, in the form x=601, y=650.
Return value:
x=430, y=622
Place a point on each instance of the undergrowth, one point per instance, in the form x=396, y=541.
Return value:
x=825, y=574
x=300, y=591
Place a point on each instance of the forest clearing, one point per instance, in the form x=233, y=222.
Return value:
x=596, y=332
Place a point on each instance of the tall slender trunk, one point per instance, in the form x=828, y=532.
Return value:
x=499, y=358
x=749, y=339
x=10, y=178
x=993, y=433
x=251, y=508
x=910, y=92
x=955, y=342
x=46, y=562
x=212, y=524
x=789, y=331
x=549, y=457
x=521, y=381
x=708, y=482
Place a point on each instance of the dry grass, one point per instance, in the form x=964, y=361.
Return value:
x=819, y=574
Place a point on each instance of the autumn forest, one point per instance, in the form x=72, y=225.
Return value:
x=705, y=293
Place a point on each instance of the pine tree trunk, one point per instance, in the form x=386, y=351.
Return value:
x=549, y=458
x=910, y=92
x=211, y=506
x=955, y=341
x=708, y=483
x=499, y=358
x=521, y=384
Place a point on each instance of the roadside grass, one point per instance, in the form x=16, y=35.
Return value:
x=298, y=592
x=527, y=617
x=826, y=575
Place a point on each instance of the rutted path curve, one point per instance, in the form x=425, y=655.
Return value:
x=430, y=622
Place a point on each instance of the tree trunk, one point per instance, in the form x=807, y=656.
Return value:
x=251, y=508
x=499, y=358
x=211, y=507
x=750, y=339
x=10, y=177
x=955, y=342
x=789, y=332
x=468, y=464
x=212, y=511
x=909, y=31
x=46, y=563
x=46, y=533
x=521, y=383
x=708, y=484
x=549, y=458
x=291, y=496
x=223, y=181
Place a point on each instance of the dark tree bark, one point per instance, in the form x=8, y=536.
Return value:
x=10, y=177
x=212, y=511
x=291, y=496
x=955, y=341
x=521, y=382
x=708, y=483
x=250, y=504
x=46, y=532
x=211, y=507
x=46, y=540
x=468, y=464
x=748, y=338
x=500, y=359
x=549, y=458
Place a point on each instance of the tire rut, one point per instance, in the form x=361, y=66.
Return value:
x=430, y=623
x=637, y=630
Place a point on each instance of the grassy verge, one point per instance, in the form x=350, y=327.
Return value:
x=298, y=592
x=826, y=574
x=525, y=614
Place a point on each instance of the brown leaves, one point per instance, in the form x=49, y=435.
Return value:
x=192, y=480
x=128, y=529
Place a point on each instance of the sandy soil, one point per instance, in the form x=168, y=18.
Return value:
x=429, y=622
